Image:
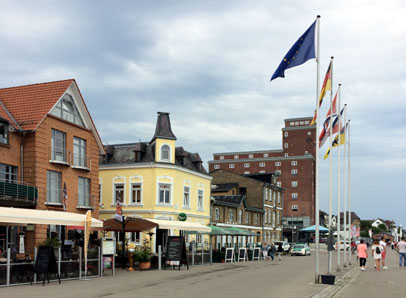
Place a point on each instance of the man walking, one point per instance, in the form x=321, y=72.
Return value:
x=280, y=250
x=402, y=252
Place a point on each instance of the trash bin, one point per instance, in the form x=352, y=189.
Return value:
x=328, y=279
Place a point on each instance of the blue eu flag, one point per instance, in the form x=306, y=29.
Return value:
x=300, y=52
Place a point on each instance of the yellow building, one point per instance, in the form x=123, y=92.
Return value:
x=155, y=180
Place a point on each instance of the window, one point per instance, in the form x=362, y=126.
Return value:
x=246, y=173
x=261, y=172
x=292, y=123
x=266, y=154
x=8, y=173
x=58, y=143
x=79, y=152
x=217, y=213
x=266, y=194
x=279, y=197
x=286, y=154
x=216, y=167
x=186, y=197
x=3, y=133
x=294, y=183
x=231, y=166
x=256, y=218
x=164, y=193
x=294, y=195
x=136, y=237
x=136, y=194
x=286, y=145
x=240, y=216
x=200, y=199
x=261, y=164
x=270, y=194
x=279, y=184
x=251, y=156
x=277, y=218
x=54, y=182
x=118, y=193
x=285, y=133
x=221, y=157
x=278, y=172
x=294, y=172
x=301, y=122
x=246, y=165
x=165, y=153
x=231, y=215
x=307, y=122
x=66, y=109
x=277, y=164
x=266, y=216
x=295, y=207
x=83, y=191
x=236, y=156
x=269, y=216
x=247, y=217
x=273, y=218
x=309, y=133
x=293, y=163
x=296, y=122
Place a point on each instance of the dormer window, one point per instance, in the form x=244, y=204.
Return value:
x=3, y=133
x=66, y=109
x=165, y=153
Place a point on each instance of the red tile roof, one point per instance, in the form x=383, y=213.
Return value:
x=31, y=103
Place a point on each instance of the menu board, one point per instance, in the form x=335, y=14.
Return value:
x=175, y=249
x=108, y=246
x=229, y=254
x=242, y=254
x=46, y=263
x=256, y=253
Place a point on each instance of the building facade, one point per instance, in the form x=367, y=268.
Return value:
x=155, y=180
x=294, y=163
x=48, y=146
x=251, y=202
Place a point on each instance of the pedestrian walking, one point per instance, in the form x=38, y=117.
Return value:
x=280, y=250
x=383, y=244
x=271, y=251
x=377, y=254
x=265, y=250
x=402, y=252
x=362, y=254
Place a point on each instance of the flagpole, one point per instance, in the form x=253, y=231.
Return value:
x=345, y=195
x=338, y=185
x=317, y=216
x=348, y=177
x=330, y=198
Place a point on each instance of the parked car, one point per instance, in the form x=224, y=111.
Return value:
x=300, y=249
x=285, y=245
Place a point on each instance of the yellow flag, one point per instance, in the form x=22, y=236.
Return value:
x=327, y=154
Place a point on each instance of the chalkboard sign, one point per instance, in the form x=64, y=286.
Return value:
x=176, y=251
x=256, y=254
x=46, y=262
x=242, y=254
x=229, y=255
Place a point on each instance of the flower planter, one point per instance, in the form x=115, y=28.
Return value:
x=145, y=265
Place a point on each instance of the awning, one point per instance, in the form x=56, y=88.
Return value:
x=34, y=216
x=180, y=225
x=312, y=229
x=239, y=232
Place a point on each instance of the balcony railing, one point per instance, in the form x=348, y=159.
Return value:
x=18, y=193
x=80, y=161
x=59, y=155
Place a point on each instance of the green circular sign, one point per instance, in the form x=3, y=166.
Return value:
x=182, y=216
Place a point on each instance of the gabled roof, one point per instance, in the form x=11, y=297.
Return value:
x=223, y=187
x=31, y=103
x=25, y=107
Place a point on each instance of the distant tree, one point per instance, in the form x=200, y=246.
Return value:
x=364, y=234
x=376, y=230
x=382, y=228
x=365, y=225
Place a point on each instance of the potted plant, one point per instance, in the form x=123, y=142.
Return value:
x=143, y=256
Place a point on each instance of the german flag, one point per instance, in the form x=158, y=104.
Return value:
x=326, y=87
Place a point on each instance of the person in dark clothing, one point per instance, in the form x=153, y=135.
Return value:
x=280, y=250
x=271, y=251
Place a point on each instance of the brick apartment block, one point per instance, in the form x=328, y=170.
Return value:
x=295, y=163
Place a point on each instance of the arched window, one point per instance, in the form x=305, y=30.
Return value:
x=165, y=150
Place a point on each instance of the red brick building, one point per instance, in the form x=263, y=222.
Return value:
x=47, y=140
x=295, y=163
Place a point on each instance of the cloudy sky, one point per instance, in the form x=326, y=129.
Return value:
x=208, y=63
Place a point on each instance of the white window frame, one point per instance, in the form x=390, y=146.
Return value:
x=239, y=217
x=186, y=196
x=293, y=163
x=286, y=154
x=115, y=192
x=250, y=155
x=266, y=193
x=295, y=207
x=294, y=195
x=294, y=183
x=262, y=172
x=309, y=133
x=217, y=213
x=79, y=152
x=134, y=180
x=162, y=186
x=256, y=219
x=270, y=194
x=221, y=157
x=279, y=184
x=286, y=134
x=247, y=217
x=269, y=217
x=293, y=171
x=266, y=155
x=262, y=165
x=246, y=172
x=236, y=156
x=286, y=145
x=54, y=178
x=246, y=165
x=138, y=190
x=278, y=172
x=231, y=215
x=277, y=164
x=292, y=123
x=161, y=151
x=84, y=199
x=266, y=216
x=279, y=197
x=216, y=167
x=231, y=166
x=200, y=199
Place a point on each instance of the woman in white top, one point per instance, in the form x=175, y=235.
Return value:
x=377, y=254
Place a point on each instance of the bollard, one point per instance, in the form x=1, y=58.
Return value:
x=159, y=257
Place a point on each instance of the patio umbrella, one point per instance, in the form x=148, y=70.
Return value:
x=312, y=229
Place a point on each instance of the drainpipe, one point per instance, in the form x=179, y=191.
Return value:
x=22, y=157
